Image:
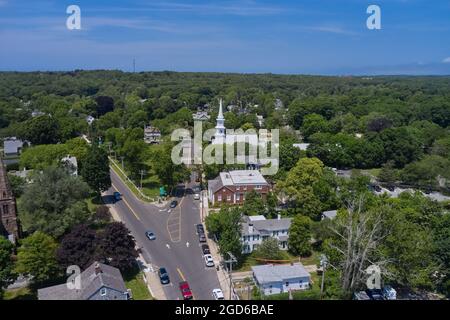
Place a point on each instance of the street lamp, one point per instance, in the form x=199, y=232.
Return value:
x=230, y=268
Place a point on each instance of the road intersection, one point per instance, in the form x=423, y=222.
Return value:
x=176, y=246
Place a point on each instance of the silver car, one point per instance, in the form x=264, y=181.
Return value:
x=209, y=262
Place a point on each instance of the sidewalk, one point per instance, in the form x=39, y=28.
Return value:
x=222, y=274
x=151, y=277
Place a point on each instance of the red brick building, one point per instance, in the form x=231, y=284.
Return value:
x=9, y=224
x=231, y=187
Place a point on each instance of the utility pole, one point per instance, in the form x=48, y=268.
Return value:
x=230, y=270
x=122, y=162
x=323, y=264
x=142, y=176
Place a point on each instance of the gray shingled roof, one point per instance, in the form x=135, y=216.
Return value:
x=279, y=273
x=91, y=282
x=12, y=145
x=215, y=184
x=266, y=226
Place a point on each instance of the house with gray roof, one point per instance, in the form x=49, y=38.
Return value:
x=256, y=229
x=12, y=147
x=98, y=282
x=331, y=214
x=275, y=279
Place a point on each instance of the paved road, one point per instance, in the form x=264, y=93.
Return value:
x=173, y=229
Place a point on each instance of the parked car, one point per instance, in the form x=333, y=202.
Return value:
x=186, y=290
x=389, y=293
x=163, y=276
x=209, y=262
x=361, y=295
x=197, y=196
x=117, y=196
x=174, y=203
x=218, y=294
x=150, y=235
x=375, y=294
x=200, y=229
x=202, y=237
x=377, y=188
x=205, y=249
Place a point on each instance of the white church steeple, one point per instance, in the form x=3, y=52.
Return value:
x=219, y=137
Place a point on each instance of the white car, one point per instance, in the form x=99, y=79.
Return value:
x=218, y=294
x=209, y=260
x=196, y=196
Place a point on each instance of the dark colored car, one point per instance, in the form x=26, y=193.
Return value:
x=200, y=229
x=163, y=276
x=205, y=249
x=391, y=188
x=202, y=237
x=117, y=196
x=173, y=204
x=377, y=188
x=375, y=294
x=186, y=291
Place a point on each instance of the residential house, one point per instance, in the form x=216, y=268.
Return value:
x=274, y=279
x=201, y=116
x=301, y=146
x=231, y=187
x=256, y=229
x=152, y=135
x=12, y=147
x=98, y=282
x=329, y=214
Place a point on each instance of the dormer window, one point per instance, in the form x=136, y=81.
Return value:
x=103, y=292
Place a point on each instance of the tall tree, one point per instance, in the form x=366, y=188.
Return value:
x=78, y=247
x=37, y=257
x=300, y=236
x=7, y=275
x=95, y=170
x=117, y=246
x=54, y=202
x=41, y=130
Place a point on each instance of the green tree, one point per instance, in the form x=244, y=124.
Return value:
x=54, y=202
x=37, y=257
x=314, y=123
x=269, y=250
x=95, y=170
x=7, y=275
x=300, y=236
x=41, y=130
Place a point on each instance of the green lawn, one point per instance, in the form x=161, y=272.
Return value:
x=20, y=294
x=150, y=185
x=136, y=283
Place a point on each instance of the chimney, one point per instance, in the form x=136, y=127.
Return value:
x=97, y=267
x=250, y=228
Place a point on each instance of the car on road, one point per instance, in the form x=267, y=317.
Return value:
x=163, y=276
x=200, y=229
x=201, y=237
x=117, y=196
x=375, y=294
x=218, y=294
x=197, y=196
x=197, y=189
x=205, y=249
x=186, y=290
x=173, y=204
x=150, y=235
x=209, y=261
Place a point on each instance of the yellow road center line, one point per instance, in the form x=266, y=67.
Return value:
x=181, y=274
x=127, y=204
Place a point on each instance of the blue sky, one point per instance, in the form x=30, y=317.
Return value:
x=285, y=36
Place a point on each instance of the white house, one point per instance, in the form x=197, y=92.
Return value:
x=256, y=229
x=274, y=279
x=152, y=135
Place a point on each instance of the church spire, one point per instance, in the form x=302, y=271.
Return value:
x=220, y=116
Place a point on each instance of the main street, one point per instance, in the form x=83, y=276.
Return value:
x=176, y=246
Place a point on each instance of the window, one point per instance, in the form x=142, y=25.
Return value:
x=238, y=197
x=103, y=292
x=5, y=209
x=287, y=284
x=219, y=197
x=238, y=188
x=258, y=187
x=229, y=197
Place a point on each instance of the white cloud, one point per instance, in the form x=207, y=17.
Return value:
x=446, y=60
